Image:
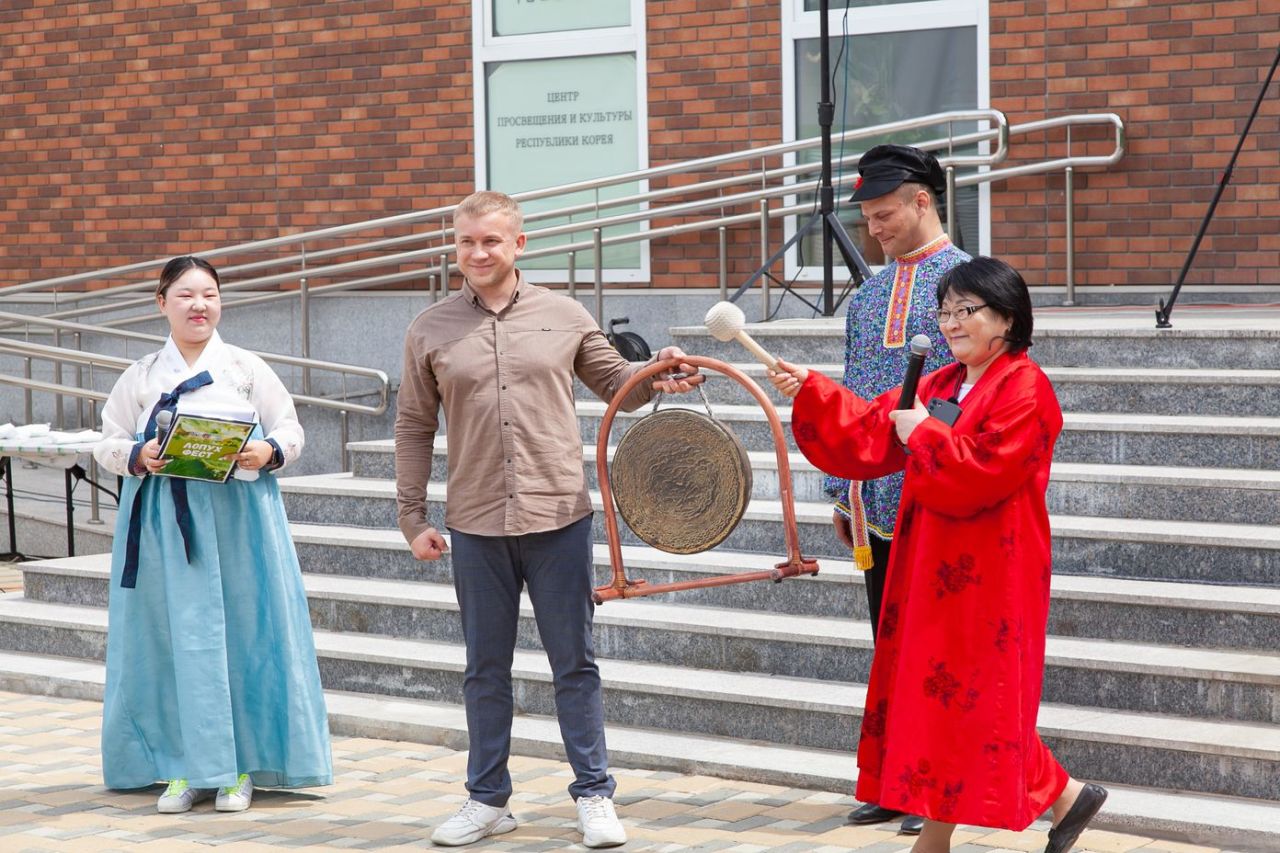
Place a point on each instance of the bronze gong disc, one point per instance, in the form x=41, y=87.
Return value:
x=681, y=480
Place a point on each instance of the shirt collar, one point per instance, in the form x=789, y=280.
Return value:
x=474, y=300
x=171, y=357
x=928, y=250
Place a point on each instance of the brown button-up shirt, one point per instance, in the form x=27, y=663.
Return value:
x=505, y=380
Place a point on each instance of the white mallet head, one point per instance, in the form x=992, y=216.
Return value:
x=725, y=322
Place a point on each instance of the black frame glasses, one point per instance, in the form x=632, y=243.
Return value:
x=964, y=312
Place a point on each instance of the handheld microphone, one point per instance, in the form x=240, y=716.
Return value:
x=164, y=422
x=920, y=346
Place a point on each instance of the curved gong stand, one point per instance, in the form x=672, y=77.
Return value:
x=620, y=586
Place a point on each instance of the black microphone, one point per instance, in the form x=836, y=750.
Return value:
x=920, y=346
x=164, y=422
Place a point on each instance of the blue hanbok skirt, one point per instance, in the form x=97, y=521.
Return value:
x=211, y=664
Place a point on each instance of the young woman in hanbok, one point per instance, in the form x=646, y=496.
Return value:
x=212, y=682
x=949, y=729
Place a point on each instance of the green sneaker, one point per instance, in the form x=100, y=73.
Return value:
x=179, y=797
x=237, y=797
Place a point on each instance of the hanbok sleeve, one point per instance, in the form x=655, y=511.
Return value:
x=963, y=474
x=277, y=414
x=118, y=448
x=843, y=434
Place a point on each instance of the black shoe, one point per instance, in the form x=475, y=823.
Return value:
x=1064, y=835
x=871, y=813
x=911, y=825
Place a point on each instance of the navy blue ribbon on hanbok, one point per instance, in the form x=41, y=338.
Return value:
x=178, y=487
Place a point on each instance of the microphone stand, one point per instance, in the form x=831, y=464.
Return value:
x=832, y=228
x=1163, y=312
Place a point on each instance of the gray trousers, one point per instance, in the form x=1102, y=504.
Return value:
x=488, y=574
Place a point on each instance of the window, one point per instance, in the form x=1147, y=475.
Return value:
x=559, y=100
x=901, y=60
x=814, y=5
x=523, y=17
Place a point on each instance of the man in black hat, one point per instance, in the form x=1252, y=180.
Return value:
x=899, y=189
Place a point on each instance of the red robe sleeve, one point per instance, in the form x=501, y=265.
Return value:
x=964, y=470
x=843, y=434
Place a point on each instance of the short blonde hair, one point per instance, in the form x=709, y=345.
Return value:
x=484, y=202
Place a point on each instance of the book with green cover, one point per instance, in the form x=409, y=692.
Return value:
x=197, y=447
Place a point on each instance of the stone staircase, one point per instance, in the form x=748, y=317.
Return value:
x=1162, y=675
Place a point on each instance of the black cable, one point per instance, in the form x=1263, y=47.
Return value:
x=844, y=95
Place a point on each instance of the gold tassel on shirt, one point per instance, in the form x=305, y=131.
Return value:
x=862, y=557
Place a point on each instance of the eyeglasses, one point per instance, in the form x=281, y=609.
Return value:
x=964, y=312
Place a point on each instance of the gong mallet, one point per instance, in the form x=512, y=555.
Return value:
x=725, y=322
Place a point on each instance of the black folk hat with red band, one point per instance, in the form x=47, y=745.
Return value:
x=884, y=168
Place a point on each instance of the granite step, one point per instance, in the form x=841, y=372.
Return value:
x=1106, y=608
x=1196, y=818
x=1157, y=391
x=1061, y=340
x=1167, y=391
x=382, y=553
x=1159, y=492
x=1212, y=756
x=320, y=498
x=1127, y=676
x=1116, y=547
x=1210, y=441
x=1238, y=348
x=1236, y=495
x=376, y=459
x=1200, y=552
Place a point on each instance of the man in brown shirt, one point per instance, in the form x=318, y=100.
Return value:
x=500, y=357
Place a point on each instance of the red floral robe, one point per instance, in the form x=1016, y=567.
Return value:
x=949, y=730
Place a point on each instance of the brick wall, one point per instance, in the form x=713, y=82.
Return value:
x=141, y=130
x=135, y=130
x=1184, y=77
x=715, y=87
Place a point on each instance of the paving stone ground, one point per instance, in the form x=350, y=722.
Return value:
x=389, y=796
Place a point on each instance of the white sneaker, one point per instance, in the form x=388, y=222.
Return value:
x=180, y=797
x=237, y=797
x=471, y=823
x=598, y=823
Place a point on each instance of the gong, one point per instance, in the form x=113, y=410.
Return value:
x=681, y=480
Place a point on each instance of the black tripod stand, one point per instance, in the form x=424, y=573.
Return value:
x=832, y=229
x=1166, y=308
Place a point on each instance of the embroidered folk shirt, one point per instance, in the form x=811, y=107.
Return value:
x=505, y=382
x=885, y=313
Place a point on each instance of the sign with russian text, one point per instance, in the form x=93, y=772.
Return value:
x=560, y=121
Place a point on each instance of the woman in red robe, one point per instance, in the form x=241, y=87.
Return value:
x=949, y=729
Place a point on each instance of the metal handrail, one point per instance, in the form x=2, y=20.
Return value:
x=646, y=214
x=343, y=403
x=1069, y=161
x=54, y=388
x=771, y=183
x=63, y=354
x=1000, y=132
x=383, y=382
x=444, y=233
